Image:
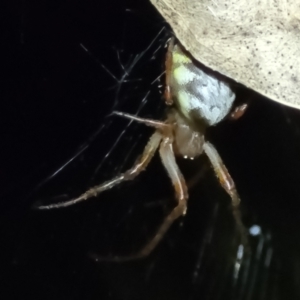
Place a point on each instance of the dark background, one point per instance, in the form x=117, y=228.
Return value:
x=66, y=67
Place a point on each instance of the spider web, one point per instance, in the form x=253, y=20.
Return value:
x=130, y=92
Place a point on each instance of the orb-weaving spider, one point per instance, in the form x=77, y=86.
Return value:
x=200, y=100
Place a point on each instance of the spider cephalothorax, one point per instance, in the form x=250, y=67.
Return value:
x=199, y=99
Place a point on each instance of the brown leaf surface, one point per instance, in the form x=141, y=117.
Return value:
x=254, y=42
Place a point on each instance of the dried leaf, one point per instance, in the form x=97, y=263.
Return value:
x=254, y=42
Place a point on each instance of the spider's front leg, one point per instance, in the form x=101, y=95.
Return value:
x=130, y=174
x=168, y=159
x=228, y=185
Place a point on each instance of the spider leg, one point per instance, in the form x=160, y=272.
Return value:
x=148, y=122
x=169, y=162
x=168, y=63
x=238, y=112
x=181, y=193
x=228, y=185
x=134, y=171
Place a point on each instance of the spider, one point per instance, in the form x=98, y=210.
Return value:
x=198, y=99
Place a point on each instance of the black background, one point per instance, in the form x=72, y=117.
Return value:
x=55, y=98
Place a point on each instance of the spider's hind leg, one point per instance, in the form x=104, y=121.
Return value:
x=238, y=112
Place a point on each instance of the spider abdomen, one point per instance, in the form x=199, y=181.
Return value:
x=198, y=95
